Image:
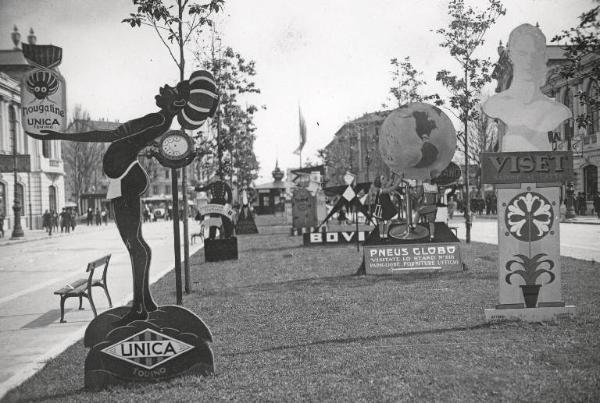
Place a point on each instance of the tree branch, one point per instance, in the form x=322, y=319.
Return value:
x=165, y=43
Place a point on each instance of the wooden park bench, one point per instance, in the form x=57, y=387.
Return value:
x=83, y=287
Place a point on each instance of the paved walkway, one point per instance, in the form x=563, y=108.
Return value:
x=33, y=268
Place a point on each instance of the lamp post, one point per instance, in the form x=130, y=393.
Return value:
x=17, y=231
x=570, y=191
x=553, y=138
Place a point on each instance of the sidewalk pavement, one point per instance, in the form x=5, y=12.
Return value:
x=39, y=234
x=31, y=269
x=582, y=219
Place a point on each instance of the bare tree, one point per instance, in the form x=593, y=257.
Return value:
x=82, y=161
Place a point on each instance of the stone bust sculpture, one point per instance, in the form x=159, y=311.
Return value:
x=528, y=114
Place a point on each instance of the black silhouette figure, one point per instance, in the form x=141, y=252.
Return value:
x=128, y=181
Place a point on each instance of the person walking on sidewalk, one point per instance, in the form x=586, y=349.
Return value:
x=1, y=225
x=90, y=216
x=54, y=220
x=581, y=204
x=98, y=217
x=73, y=220
x=65, y=217
x=104, y=217
x=597, y=204
x=47, y=222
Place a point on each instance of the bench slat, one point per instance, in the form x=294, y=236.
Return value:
x=70, y=288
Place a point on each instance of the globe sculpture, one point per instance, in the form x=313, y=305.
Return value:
x=417, y=141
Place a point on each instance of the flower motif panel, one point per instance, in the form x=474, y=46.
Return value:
x=529, y=216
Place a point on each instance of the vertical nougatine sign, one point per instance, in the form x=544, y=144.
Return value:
x=43, y=101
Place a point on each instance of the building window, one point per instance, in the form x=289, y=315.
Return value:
x=167, y=173
x=46, y=148
x=155, y=190
x=593, y=108
x=167, y=189
x=12, y=134
x=21, y=198
x=52, y=197
x=2, y=200
x=568, y=125
x=590, y=181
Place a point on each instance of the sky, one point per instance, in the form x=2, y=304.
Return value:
x=328, y=57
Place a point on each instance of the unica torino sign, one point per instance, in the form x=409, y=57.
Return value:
x=43, y=101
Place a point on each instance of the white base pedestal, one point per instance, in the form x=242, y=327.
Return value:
x=531, y=314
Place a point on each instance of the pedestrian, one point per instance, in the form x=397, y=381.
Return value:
x=451, y=207
x=47, y=222
x=146, y=214
x=494, y=204
x=98, y=217
x=65, y=225
x=73, y=219
x=1, y=225
x=104, y=217
x=55, y=220
x=90, y=216
x=581, y=204
x=488, y=204
x=596, y=200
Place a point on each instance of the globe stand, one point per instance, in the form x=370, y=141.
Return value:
x=408, y=231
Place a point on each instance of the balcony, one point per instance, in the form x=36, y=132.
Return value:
x=50, y=165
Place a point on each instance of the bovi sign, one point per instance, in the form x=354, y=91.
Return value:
x=383, y=259
x=328, y=238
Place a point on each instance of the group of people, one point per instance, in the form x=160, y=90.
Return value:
x=51, y=220
x=581, y=204
x=489, y=204
x=96, y=217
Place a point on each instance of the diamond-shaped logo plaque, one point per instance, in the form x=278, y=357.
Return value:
x=147, y=349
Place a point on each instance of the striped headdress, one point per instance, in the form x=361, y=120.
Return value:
x=203, y=100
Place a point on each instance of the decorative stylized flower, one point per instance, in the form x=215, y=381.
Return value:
x=529, y=216
x=530, y=271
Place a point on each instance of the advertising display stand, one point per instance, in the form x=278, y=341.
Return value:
x=417, y=142
x=218, y=217
x=528, y=176
x=145, y=342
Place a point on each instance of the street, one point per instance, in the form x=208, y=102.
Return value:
x=30, y=272
x=580, y=241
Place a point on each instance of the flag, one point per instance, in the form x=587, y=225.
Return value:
x=302, y=131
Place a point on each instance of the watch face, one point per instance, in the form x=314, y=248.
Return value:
x=175, y=146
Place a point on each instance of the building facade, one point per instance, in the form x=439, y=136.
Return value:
x=355, y=148
x=42, y=188
x=584, y=142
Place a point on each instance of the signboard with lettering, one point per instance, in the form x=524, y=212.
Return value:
x=303, y=209
x=223, y=209
x=44, y=101
x=7, y=163
x=526, y=167
x=330, y=238
x=449, y=175
x=173, y=341
x=385, y=259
